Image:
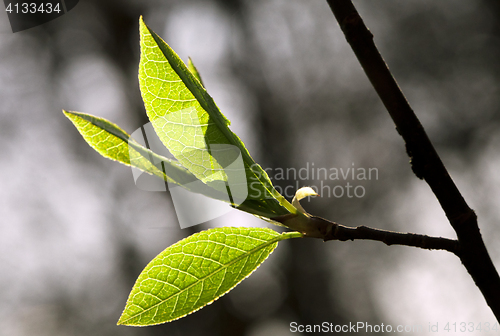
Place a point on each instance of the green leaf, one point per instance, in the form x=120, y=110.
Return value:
x=196, y=271
x=189, y=123
x=114, y=143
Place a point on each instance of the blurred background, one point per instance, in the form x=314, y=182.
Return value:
x=76, y=231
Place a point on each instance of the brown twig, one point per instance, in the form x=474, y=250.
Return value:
x=343, y=233
x=425, y=162
x=317, y=227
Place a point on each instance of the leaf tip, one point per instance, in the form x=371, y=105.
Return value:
x=68, y=114
x=194, y=70
x=142, y=25
x=123, y=319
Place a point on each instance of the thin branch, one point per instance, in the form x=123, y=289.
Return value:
x=340, y=232
x=425, y=162
x=317, y=227
x=344, y=233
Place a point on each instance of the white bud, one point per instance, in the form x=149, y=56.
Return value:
x=300, y=194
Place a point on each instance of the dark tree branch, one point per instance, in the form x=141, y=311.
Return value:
x=335, y=231
x=317, y=227
x=344, y=233
x=425, y=162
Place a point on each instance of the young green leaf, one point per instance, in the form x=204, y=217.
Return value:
x=196, y=271
x=112, y=142
x=189, y=123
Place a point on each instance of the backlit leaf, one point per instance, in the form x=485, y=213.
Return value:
x=190, y=125
x=196, y=271
x=112, y=142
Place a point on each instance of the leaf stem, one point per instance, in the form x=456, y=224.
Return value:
x=288, y=235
